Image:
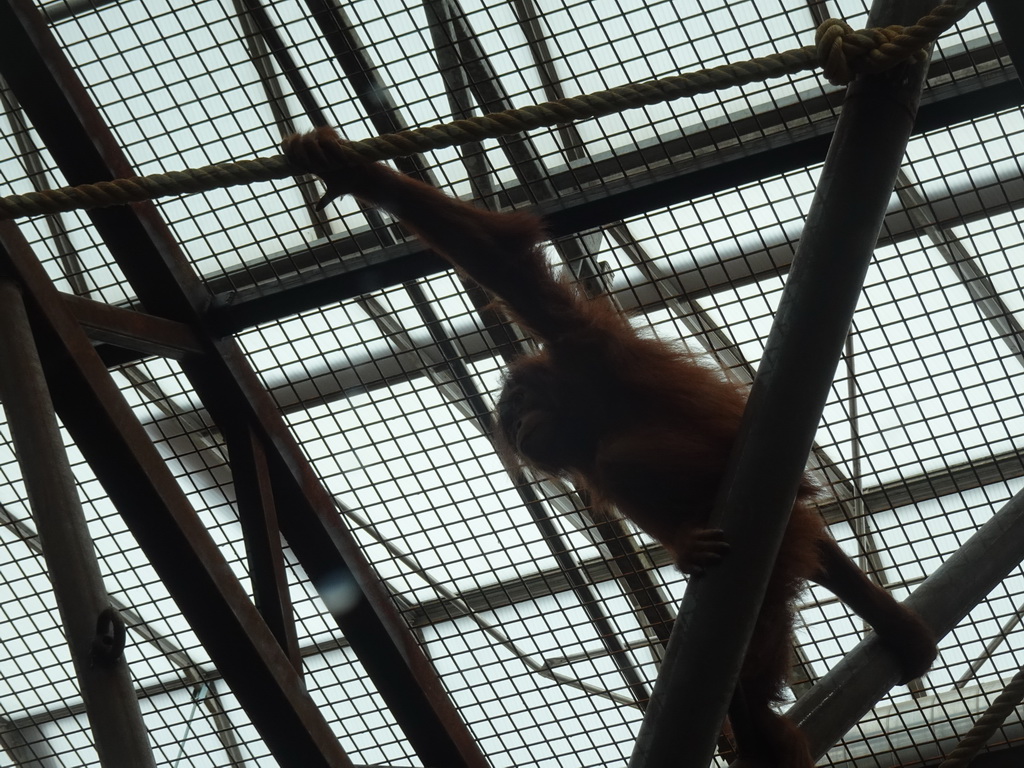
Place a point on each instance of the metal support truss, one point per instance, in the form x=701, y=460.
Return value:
x=85, y=150
x=942, y=600
x=160, y=517
x=803, y=349
x=363, y=267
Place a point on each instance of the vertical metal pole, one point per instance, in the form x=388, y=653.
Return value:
x=113, y=708
x=717, y=616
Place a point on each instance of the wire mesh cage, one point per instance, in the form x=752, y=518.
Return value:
x=382, y=366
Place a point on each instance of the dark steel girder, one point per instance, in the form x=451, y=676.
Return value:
x=164, y=523
x=1009, y=18
x=355, y=266
x=85, y=150
x=132, y=330
x=257, y=514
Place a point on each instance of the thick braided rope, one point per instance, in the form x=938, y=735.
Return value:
x=841, y=51
x=844, y=52
x=138, y=188
x=976, y=738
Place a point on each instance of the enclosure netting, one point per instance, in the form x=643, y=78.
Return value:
x=921, y=432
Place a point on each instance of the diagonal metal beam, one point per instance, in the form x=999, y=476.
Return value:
x=718, y=342
x=130, y=329
x=529, y=15
x=942, y=600
x=801, y=354
x=257, y=514
x=362, y=268
x=259, y=53
x=84, y=148
x=160, y=517
x=282, y=55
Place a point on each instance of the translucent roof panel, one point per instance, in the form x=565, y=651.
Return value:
x=508, y=582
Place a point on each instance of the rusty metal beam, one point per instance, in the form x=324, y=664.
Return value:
x=258, y=516
x=356, y=266
x=128, y=329
x=164, y=523
x=85, y=150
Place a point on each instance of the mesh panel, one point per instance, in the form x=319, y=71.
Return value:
x=386, y=385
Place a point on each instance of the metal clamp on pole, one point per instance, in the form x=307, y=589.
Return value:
x=108, y=642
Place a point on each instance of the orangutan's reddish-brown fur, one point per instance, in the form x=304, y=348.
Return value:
x=639, y=424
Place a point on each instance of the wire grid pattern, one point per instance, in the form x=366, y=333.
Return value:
x=370, y=395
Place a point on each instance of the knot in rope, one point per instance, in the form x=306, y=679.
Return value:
x=844, y=52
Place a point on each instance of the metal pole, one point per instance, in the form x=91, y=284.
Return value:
x=866, y=673
x=94, y=631
x=1009, y=18
x=718, y=612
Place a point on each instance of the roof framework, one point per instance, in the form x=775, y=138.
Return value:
x=264, y=370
